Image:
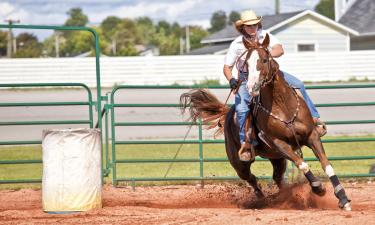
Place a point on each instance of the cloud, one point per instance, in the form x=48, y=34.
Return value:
x=195, y=12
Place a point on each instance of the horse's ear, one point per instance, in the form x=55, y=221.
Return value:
x=266, y=41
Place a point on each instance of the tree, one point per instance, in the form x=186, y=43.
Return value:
x=233, y=17
x=145, y=29
x=109, y=25
x=197, y=33
x=218, y=21
x=326, y=8
x=109, y=29
x=76, y=18
x=3, y=43
x=165, y=26
x=28, y=46
x=77, y=43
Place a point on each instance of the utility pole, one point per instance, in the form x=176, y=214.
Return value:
x=57, y=43
x=277, y=7
x=10, y=37
x=182, y=43
x=187, y=39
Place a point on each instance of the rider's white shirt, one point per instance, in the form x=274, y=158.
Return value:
x=237, y=48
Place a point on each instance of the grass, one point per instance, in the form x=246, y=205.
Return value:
x=210, y=169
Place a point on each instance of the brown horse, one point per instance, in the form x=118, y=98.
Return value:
x=280, y=116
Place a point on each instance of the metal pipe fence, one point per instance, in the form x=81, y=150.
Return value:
x=89, y=121
x=114, y=161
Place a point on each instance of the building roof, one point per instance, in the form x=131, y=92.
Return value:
x=210, y=49
x=360, y=16
x=271, y=23
x=229, y=32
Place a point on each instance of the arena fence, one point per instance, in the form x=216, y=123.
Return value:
x=88, y=122
x=89, y=102
x=114, y=161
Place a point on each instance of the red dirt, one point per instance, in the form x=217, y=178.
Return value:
x=226, y=203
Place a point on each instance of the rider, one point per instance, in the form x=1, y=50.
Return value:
x=250, y=27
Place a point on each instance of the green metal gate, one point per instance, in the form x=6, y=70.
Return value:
x=89, y=102
x=115, y=161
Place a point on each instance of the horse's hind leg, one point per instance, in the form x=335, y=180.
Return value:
x=243, y=171
x=253, y=181
x=316, y=145
x=279, y=168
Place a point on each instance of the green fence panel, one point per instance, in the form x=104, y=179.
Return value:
x=90, y=103
x=114, y=162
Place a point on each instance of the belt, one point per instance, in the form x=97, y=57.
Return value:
x=243, y=75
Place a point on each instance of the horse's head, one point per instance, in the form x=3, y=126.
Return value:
x=261, y=66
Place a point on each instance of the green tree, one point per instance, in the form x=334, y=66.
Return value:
x=197, y=33
x=76, y=18
x=218, y=21
x=233, y=17
x=168, y=44
x=165, y=26
x=326, y=8
x=77, y=43
x=49, y=44
x=109, y=25
x=109, y=29
x=3, y=43
x=28, y=46
x=126, y=37
x=145, y=29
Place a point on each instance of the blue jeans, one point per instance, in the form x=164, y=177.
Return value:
x=243, y=98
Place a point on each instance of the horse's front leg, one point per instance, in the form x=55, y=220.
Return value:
x=316, y=145
x=288, y=152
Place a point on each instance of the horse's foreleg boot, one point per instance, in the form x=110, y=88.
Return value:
x=315, y=183
x=344, y=202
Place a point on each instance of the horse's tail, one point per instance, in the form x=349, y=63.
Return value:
x=201, y=103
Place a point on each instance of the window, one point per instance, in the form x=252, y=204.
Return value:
x=306, y=47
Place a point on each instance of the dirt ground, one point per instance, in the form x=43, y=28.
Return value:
x=224, y=203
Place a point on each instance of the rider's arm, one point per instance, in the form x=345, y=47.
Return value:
x=277, y=50
x=227, y=70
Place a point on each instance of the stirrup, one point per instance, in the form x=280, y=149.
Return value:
x=320, y=127
x=246, y=153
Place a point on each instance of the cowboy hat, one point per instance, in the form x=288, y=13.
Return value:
x=248, y=17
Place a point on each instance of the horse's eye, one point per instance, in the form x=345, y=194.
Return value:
x=264, y=60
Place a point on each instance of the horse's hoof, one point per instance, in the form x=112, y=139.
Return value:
x=245, y=156
x=259, y=194
x=345, y=204
x=347, y=207
x=319, y=190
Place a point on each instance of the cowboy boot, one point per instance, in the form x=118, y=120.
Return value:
x=320, y=126
x=246, y=152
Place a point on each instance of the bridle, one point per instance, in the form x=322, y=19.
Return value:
x=265, y=80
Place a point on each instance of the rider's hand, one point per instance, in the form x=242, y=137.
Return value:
x=233, y=83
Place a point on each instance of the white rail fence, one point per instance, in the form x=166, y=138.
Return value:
x=164, y=70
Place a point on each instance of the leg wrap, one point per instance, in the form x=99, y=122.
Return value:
x=312, y=179
x=339, y=191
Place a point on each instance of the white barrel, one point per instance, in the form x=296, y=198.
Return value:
x=71, y=170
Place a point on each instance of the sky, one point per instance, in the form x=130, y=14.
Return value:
x=192, y=12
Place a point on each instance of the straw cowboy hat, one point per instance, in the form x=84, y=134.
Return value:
x=248, y=17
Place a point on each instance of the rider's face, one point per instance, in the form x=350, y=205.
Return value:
x=251, y=29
